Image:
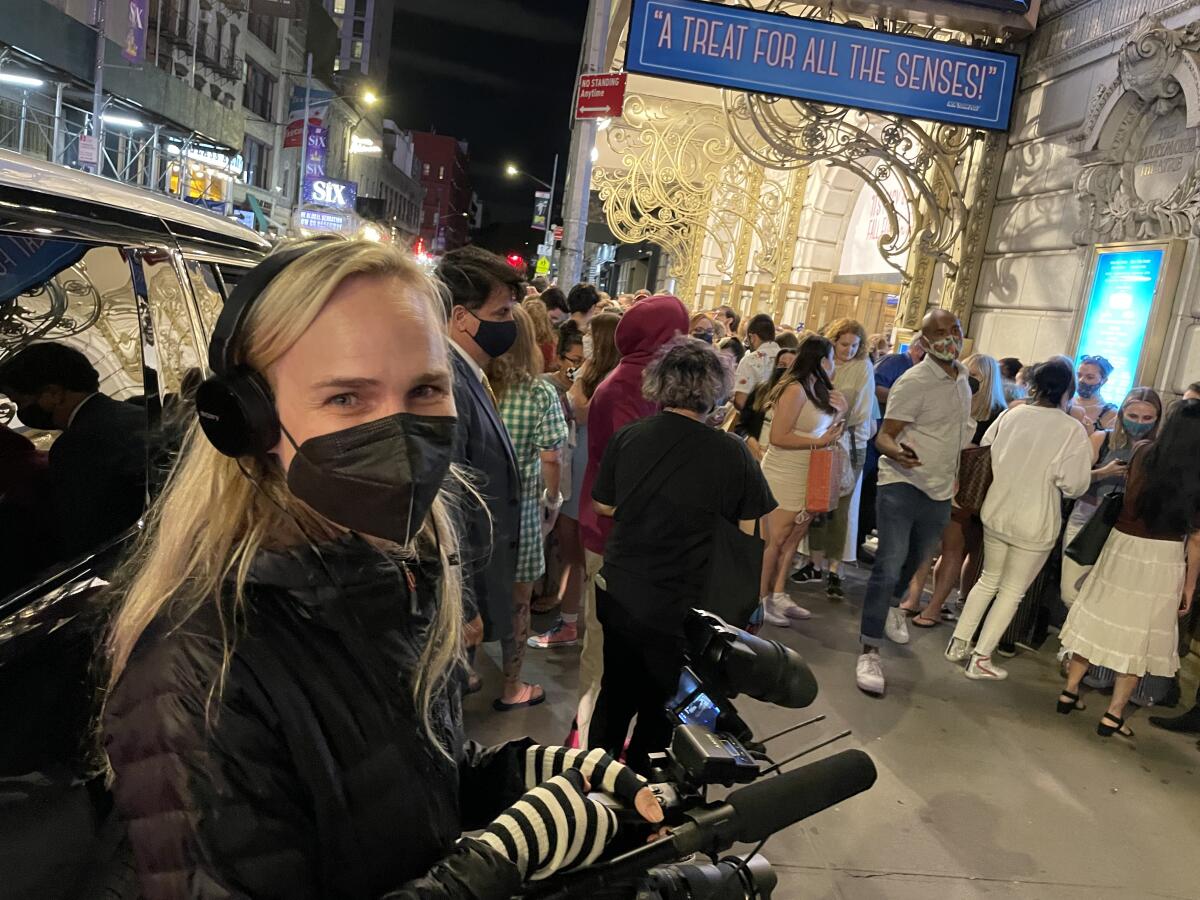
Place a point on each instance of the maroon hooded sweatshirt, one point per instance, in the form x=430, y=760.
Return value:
x=618, y=400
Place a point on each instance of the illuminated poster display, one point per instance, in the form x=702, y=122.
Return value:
x=771, y=53
x=1120, y=313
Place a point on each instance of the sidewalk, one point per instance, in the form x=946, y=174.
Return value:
x=983, y=791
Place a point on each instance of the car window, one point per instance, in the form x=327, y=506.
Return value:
x=176, y=333
x=73, y=429
x=206, y=286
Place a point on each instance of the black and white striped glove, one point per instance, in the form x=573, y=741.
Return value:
x=552, y=827
x=601, y=770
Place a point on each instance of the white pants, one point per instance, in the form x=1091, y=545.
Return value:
x=1007, y=573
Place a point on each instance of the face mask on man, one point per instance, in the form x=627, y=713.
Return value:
x=36, y=416
x=1086, y=391
x=946, y=349
x=1136, y=429
x=379, y=478
x=495, y=338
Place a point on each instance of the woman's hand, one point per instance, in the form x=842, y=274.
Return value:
x=1110, y=469
x=600, y=769
x=574, y=829
x=838, y=401
x=833, y=434
x=1185, y=605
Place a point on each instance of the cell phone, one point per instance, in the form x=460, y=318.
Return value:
x=910, y=451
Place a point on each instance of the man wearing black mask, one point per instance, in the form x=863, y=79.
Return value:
x=482, y=289
x=98, y=462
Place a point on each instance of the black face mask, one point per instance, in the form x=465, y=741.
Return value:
x=974, y=383
x=706, y=336
x=36, y=417
x=379, y=478
x=495, y=338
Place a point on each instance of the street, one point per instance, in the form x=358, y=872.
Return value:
x=983, y=791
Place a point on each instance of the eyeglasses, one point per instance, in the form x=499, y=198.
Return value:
x=573, y=361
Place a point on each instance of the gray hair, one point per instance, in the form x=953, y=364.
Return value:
x=688, y=374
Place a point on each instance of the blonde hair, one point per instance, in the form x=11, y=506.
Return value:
x=539, y=315
x=522, y=363
x=212, y=520
x=835, y=329
x=989, y=399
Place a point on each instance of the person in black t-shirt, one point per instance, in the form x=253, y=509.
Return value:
x=655, y=481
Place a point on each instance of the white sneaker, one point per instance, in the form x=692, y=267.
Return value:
x=981, y=668
x=770, y=616
x=957, y=650
x=869, y=674
x=896, y=626
x=785, y=606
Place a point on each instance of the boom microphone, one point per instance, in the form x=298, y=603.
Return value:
x=748, y=815
x=772, y=804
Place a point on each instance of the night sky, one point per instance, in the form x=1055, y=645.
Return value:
x=498, y=74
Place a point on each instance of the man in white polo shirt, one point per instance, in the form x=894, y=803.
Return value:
x=926, y=425
x=755, y=367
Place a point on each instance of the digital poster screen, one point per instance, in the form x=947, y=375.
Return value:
x=1119, y=309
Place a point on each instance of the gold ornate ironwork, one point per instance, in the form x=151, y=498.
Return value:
x=922, y=157
x=681, y=177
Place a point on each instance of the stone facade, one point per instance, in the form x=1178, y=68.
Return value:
x=1103, y=149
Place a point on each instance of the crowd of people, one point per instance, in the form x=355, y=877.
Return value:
x=916, y=437
x=619, y=460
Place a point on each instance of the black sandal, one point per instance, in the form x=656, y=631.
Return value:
x=1109, y=730
x=1068, y=708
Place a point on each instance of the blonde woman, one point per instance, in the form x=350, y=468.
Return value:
x=533, y=415
x=544, y=334
x=280, y=718
x=854, y=378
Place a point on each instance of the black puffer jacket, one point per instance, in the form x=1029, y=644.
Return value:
x=310, y=774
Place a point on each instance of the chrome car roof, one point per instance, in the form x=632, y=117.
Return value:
x=41, y=177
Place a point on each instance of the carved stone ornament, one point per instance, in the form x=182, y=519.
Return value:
x=1139, y=145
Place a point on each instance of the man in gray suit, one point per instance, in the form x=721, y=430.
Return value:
x=482, y=290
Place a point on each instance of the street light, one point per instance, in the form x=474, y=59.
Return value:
x=21, y=80
x=122, y=121
x=511, y=171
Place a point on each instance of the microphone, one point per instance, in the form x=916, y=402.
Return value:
x=772, y=804
x=748, y=815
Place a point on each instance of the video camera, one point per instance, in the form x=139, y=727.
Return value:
x=711, y=745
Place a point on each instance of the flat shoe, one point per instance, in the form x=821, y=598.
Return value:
x=500, y=706
x=921, y=622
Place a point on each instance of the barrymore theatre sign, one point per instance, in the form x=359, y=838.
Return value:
x=769, y=53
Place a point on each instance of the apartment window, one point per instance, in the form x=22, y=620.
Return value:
x=260, y=90
x=359, y=28
x=356, y=49
x=257, y=159
x=337, y=65
x=441, y=173
x=425, y=170
x=264, y=27
x=360, y=7
x=339, y=7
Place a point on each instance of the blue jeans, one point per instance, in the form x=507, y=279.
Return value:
x=909, y=524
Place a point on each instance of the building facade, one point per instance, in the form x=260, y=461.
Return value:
x=811, y=213
x=446, y=209
x=364, y=39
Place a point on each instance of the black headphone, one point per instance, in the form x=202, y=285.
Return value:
x=235, y=405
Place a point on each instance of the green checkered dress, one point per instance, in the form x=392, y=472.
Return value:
x=533, y=415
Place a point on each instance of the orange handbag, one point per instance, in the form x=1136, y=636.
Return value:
x=824, y=480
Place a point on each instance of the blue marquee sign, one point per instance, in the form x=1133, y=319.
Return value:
x=770, y=53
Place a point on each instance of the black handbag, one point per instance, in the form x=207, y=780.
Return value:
x=1085, y=547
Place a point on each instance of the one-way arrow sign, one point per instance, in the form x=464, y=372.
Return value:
x=600, y=95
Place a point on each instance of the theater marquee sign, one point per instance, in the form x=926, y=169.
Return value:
x=1138, y=147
